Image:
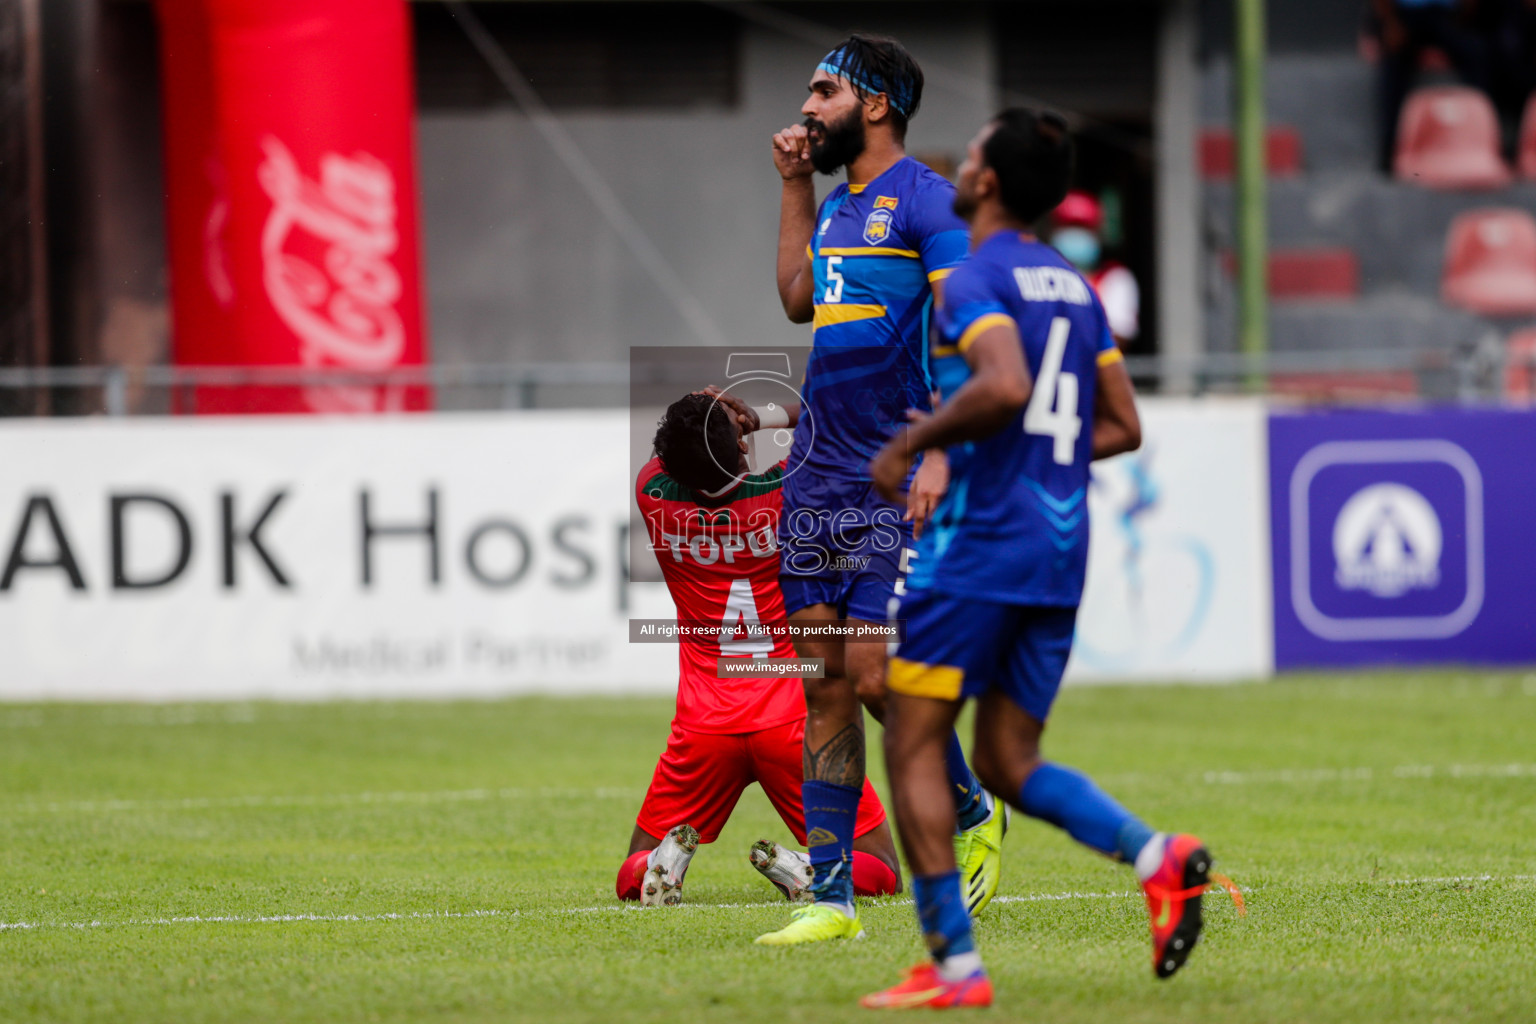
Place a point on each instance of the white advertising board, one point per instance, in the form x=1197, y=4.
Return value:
x=447, y=555
x=485, y=554
x=1179, y=563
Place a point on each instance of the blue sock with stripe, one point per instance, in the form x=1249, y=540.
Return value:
x=1070, y=800
x=831, y=812
x=942, y=915
x=970, y=804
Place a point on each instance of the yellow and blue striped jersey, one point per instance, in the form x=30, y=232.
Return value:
x=876, y=251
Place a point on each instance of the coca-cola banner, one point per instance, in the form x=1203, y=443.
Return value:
x=292, y=212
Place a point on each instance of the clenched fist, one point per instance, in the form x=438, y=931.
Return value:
x=792, y=153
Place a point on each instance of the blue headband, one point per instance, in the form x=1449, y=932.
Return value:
x=901, y=101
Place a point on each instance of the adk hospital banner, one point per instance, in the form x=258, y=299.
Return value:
x=300, y=557
x=487, y=554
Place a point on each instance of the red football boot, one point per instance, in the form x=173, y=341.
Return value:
x=925, y=987
x=1173, y=901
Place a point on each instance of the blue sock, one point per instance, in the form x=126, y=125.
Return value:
x=942, y=915
x=970, y=804
x=1070, y=800
x=831, y=812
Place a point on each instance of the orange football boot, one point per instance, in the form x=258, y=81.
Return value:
x=925, y=987
x=1173, y=901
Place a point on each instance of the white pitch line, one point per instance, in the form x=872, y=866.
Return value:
x=149, y=922
x=612, y=908
x=1402, y=771
x=626, y=908
x=328, y=799
x=1413, y=772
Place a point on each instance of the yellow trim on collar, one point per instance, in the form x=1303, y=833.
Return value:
x=870, y=250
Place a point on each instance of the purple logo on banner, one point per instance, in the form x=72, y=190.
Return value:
x=1386, y=539
x=1383, y=524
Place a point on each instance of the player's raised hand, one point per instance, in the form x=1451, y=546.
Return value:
x=744, y=413
x=792, y=153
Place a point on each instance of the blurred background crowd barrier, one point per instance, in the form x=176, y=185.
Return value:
x=1343, y=189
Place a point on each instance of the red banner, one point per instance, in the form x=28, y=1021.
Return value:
x=290, y=168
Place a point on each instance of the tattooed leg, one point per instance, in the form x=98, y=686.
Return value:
x=832, y=709
x=839, y=760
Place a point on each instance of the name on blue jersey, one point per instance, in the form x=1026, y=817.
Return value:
x=1051, y=284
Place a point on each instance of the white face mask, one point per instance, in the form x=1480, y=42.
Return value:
x=1079, y=245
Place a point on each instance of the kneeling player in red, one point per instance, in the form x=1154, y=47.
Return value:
x=714, y=528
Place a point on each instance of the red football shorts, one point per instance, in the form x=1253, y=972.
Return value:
x=701, y=775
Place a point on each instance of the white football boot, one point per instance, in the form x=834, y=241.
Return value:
x=788, y=870
x=668, y=863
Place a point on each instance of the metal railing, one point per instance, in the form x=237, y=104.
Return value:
x=159, y=389
x=1471, y=374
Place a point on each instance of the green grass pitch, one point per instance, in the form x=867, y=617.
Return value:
x=454, y=862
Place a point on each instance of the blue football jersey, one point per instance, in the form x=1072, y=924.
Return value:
x=1013, y=526
x=876, y=251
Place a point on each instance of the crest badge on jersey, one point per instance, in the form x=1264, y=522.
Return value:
x=877, y=227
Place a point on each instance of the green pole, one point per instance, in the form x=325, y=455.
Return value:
x=1252, y=225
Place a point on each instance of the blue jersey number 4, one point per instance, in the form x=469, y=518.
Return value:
x=1052, y=409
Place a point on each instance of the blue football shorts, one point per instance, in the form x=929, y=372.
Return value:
x=849, y=551
x=959, y=647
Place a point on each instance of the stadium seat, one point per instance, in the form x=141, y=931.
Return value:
x=1431, y=58
x=1520, y=365
x=1323, y=273
x=1528, y=140
x=1318, y=273
x=1448, y=138
x=1282, y=152
x=1490, y=263
x=1346, y=386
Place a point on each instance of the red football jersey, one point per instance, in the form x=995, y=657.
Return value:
x=720, y=558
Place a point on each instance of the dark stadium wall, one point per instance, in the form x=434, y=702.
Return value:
x=522, y=265
x=1292, y=26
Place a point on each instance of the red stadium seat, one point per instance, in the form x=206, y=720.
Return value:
x=1448, y=137
x=1431, y=58
x=1346, y=385
x=1310, y=274
x=1490, y=263
x=1282, y=152
x=1321, y=273
x=1520, y=365
x=1528, y=140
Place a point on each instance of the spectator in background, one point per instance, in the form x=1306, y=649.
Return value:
x=1406, y=27
x=1511, y=28
x=1077, y=230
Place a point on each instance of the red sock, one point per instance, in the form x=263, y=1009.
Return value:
x=871, y=876
x=630, y=873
